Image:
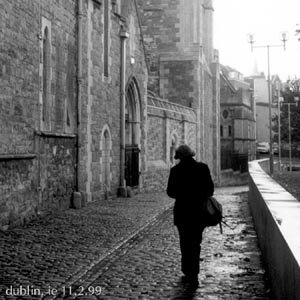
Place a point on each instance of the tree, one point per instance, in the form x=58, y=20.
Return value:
x=290, y=94
x=297, y=31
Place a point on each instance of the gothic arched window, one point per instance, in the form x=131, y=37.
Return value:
x=173, y=147
x=46, y=75
x=132, y=115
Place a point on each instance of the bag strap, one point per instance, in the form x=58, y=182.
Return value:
x=221, y=228
x=226, y=225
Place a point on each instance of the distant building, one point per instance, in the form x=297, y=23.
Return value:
x=237, y=126
x=259, y=84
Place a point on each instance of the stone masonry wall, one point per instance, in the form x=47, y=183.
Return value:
x=19, y=198
x=101, y=94
x=209, y=130
x=160, y=30
x=163, y=127
x=51, y=141
x=30, y=175
x=190, y=134
x=178, y=41
x=57, y=173
x=61, y=18
x=207, y=41
x=156, y=138
x=18, y=76
x=176, y=81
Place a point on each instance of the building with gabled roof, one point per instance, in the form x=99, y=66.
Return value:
x=259, y=85
x=237, y=126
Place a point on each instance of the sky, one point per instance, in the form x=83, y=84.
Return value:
x=266, y=20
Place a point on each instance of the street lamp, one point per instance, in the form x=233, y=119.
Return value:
x=251, y=41
x=290, y=131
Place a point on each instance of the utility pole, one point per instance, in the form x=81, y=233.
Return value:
x=251, y=41
x=280, y=99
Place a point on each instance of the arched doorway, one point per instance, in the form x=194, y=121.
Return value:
x=132, y=134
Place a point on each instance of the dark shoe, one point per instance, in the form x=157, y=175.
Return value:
x=191, y=280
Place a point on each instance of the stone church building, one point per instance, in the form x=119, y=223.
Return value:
x=95, y=95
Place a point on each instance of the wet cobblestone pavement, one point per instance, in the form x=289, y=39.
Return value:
x=107, y=259
x=58, y=249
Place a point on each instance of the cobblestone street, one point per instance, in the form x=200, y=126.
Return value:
x=107, y=108
x=149, y=267
x=56, y=250
x=112, y=257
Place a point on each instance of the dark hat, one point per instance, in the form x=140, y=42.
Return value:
x=183, y=151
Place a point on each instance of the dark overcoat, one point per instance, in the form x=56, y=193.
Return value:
x=190, y=183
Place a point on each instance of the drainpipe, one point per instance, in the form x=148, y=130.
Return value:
x=77, y=197
x=37, y=137
x=122, y=192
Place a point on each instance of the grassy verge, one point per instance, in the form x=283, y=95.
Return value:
x=288, y=180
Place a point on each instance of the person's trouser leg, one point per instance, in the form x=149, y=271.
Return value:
x=190, y=246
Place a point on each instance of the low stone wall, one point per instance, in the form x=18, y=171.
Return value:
x=29, y=188
x=276, y=215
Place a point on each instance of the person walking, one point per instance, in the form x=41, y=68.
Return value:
x=190, y=183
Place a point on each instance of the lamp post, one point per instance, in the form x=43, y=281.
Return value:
x=290, y=130
x=280, y=99
x=251, y=41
